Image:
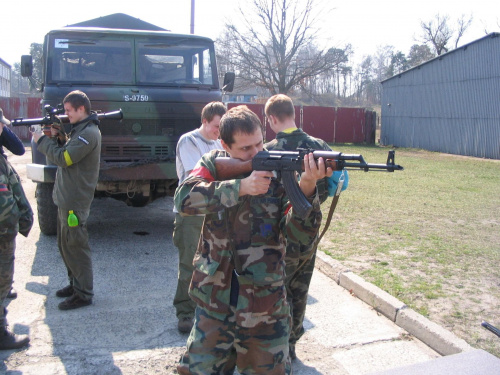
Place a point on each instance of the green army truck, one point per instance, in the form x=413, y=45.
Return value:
x=160, y=80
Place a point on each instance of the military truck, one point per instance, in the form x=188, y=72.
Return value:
x=160, y=80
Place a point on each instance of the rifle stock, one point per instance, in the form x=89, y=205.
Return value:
x=229, y=168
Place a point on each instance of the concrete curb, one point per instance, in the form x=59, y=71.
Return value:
x=434, y=336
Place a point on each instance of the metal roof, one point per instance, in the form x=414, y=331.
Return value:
x=119, y=21
x=440, y=57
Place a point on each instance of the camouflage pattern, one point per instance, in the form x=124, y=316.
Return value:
x=15, y=210
x=300, y=257
x=241, y=250
x=15, y=215
x=7, y=251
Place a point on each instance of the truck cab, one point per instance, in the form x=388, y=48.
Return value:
x=161, y=81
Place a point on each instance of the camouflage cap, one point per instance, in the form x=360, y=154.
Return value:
x=3, y=119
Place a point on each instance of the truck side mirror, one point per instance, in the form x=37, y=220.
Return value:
x=228, y=84
x=26, y=65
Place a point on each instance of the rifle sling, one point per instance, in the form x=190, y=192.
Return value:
x=330, y=215
x=328, y=220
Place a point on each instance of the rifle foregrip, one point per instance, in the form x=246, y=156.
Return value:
x=300, y=204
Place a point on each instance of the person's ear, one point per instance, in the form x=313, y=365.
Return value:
x=225, y=146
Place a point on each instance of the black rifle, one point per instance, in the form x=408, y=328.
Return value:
x=288, y=163
x=51, y=113
x=491, y=328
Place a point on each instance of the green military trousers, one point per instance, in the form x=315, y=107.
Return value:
x=7, y=250
x=187, y=231
x=73, y=243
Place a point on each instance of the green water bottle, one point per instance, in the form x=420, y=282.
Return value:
x=72, y=219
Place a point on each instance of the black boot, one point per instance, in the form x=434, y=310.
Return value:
x=12, y=294
x=9, y=340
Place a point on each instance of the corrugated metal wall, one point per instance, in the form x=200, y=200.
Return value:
x=450, y=104
x=333, y=125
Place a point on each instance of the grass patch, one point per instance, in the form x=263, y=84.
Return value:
x=428, y=235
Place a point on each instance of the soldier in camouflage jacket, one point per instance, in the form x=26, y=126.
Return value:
x=15, y=216
x=242, y=317
x=300, y=257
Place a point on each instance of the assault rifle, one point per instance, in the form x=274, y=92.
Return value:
x=288, y=163
x=50, y=117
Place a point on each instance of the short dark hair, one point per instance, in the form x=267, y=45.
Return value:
x=239, y=119
x=77, y=99
x=280, y=106
x=213, y=109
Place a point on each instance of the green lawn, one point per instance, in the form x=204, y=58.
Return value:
x=428, y=235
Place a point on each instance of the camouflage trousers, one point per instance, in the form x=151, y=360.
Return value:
x=73, y=243
x=219, y=346
x=7, y=251
x=299, y=269
x=187, y=230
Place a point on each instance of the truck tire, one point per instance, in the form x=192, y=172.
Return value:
x=47, y=210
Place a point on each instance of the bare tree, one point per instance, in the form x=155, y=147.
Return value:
x=438, y=32
x=462, y=26
x=274, y=45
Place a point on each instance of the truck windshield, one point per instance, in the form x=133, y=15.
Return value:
x=130, y=61
x=177, y=62
x=84, y=60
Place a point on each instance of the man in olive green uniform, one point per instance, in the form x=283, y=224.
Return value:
x=300, y=257
x=190, y=148
x=76, y=152
x=15, y=216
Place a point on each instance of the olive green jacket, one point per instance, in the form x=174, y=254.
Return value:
x=78, y=164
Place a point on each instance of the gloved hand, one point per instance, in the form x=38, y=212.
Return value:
x=333, y=182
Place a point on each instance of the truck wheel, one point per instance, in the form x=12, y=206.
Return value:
x=47, y=210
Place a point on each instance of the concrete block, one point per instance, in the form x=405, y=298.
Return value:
x=433, y=335
x=473, y=362
x=329, y=266
x=380, y=300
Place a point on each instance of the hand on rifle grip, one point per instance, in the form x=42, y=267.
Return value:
x=257, y=183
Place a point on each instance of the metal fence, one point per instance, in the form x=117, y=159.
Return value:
x=21, y=107
x=331, y=124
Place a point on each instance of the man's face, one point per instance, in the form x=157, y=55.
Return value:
x=245, y=146
x=75, y=115
x=212, y=127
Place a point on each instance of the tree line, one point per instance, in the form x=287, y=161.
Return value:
x=273, y=46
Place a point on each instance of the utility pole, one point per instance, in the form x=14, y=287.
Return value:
x=192, y=16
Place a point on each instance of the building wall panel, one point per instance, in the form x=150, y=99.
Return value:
x=449, y=104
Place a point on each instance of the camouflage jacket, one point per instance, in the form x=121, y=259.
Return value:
x=78, y=164
x=285, y=141
x=245, y=234
x=15, y=210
